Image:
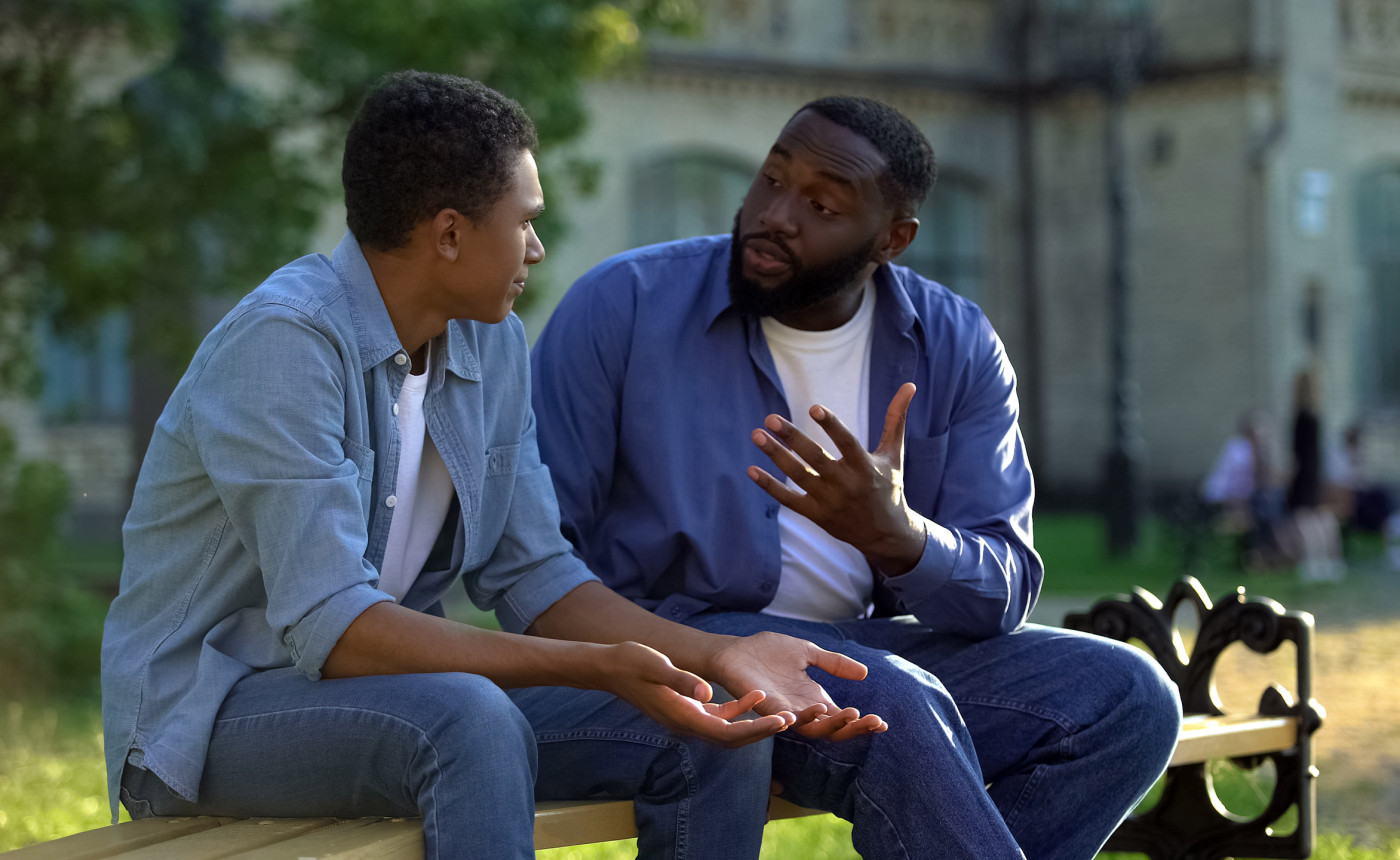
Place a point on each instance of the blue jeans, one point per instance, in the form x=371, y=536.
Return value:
x=1069, y=730
x=470, y=759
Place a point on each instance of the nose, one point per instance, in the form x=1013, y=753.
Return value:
x=777, y=216
x=534, y=248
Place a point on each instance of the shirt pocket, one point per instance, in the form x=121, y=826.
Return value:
x=924, y=462
x=501, y=460
x=363, y=458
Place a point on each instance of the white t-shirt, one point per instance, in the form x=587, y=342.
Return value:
x=823, y=579
x=422, y=493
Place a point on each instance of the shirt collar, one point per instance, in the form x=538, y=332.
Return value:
x=375, y=335
x=892, y=303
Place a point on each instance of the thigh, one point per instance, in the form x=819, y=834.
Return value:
x=1023, y=693
x=287, y=746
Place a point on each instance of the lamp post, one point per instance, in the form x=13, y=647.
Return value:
x=1105, y=43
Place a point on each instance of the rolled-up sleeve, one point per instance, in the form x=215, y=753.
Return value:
x=267, y=416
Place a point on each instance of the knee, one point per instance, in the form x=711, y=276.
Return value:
x=468, y=720
x=1150, y=702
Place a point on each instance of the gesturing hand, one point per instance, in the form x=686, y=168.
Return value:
x=857, y=498
x=680, y=701
x=777, y=665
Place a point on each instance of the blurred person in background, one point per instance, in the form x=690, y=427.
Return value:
x=1314, y=526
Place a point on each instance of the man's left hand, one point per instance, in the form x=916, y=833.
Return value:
x=857, y=498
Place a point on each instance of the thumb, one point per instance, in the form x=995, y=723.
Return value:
x=837, y=664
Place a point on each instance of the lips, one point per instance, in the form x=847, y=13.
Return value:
x=765, y=258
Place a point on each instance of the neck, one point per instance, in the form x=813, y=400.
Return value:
x=403, y=279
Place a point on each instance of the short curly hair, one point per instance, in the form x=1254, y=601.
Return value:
x=910, y=169
x=421, y=143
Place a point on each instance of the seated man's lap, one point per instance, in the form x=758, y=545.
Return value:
x=1015, y=693
x=287, y=746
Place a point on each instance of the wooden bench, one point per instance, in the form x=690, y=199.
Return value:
x=1187, y=822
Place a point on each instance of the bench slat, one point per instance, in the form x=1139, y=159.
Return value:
x=354, y=839
x=105, y=842
x=230, y=840
x=1205, y=737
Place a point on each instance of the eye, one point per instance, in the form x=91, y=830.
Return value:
x=821, y=209
x=771, y=181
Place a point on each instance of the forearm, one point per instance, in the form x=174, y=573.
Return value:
x=595, y=613
x=387, y=639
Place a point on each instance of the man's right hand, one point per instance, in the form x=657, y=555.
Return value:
x=777, y=665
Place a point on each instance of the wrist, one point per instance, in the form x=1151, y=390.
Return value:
x=898, y=552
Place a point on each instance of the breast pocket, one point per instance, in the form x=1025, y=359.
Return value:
x=500, y=461
x=924, y=462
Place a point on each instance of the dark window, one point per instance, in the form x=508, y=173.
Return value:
x=1378, y=232
x=688, y=194
x=951, y=246
x=85, y=373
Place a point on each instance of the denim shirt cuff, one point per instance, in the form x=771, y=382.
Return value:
x=328, y=624
x=934, y=569
x=539, y=589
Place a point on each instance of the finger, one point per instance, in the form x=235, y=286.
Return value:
x=801, y=444
x=892, y=440
x=685, y=715
x=867, y=725
x=687, y=684
x=810, y=713
x=802, y=474
x=841, y=435
x=786, y=496
x=836, y=664
x=736, y=708
x=825, y=727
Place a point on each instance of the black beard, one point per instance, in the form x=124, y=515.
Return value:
x=803, y=289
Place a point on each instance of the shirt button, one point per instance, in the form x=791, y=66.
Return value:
x=766, y=587
x=675, y=612
x=396, y=409
x=391, y=501
x=400, y=359
x=770, y=513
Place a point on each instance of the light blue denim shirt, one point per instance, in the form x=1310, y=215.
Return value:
x=263, y=506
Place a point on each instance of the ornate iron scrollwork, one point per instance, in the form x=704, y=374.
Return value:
x=1189, y=822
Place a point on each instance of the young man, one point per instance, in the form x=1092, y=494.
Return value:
x=352, y=439
x=662, y=369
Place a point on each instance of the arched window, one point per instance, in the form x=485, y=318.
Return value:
x=1378, y=233
x=687, y=194
x=951, y=246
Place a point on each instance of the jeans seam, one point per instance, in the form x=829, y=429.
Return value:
x=1068, y=725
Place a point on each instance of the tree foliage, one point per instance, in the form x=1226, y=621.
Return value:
x=152, y=151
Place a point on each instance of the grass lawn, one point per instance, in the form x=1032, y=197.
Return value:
x=52, y=779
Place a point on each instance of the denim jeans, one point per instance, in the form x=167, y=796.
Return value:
x=1069, y=730
x=465, y=755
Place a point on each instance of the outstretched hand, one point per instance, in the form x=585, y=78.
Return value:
x=680, y=700
x=857, y=497
x=777, y=665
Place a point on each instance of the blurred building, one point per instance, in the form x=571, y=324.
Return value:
x=1263, y=170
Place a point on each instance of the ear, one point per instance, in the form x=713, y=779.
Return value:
x=447, y=234
x=902, y=232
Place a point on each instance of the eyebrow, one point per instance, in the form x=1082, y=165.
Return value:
x=779, y=150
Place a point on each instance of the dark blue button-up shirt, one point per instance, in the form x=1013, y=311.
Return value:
x=648, y=385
